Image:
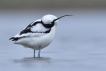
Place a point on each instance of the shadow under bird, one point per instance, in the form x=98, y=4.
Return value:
x=38, y=34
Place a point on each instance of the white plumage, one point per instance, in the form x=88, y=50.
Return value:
x=38, y=34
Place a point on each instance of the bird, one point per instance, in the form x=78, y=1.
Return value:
x=38, y=34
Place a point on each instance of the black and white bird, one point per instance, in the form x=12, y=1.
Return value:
x=38, y=34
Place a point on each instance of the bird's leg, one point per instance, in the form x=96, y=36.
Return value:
x=34, y=53
x=39, y=53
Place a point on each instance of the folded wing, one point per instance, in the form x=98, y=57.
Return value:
x=35, y=29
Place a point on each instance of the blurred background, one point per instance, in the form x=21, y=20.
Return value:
x=79, y=44
x=51, y=4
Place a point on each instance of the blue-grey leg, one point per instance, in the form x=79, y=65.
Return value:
x=39, y=53
x=34, y=53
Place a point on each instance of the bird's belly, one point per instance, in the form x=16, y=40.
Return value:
x=36, y=42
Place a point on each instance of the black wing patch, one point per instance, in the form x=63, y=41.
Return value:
x=28, y=28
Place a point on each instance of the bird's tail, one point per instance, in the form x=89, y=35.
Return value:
x=14, y=38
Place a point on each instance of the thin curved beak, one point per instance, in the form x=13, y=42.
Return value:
x=61, y=17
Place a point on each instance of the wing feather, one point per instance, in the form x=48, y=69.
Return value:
x=35, y=29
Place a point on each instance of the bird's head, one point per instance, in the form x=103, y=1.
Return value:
x=50, y=19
